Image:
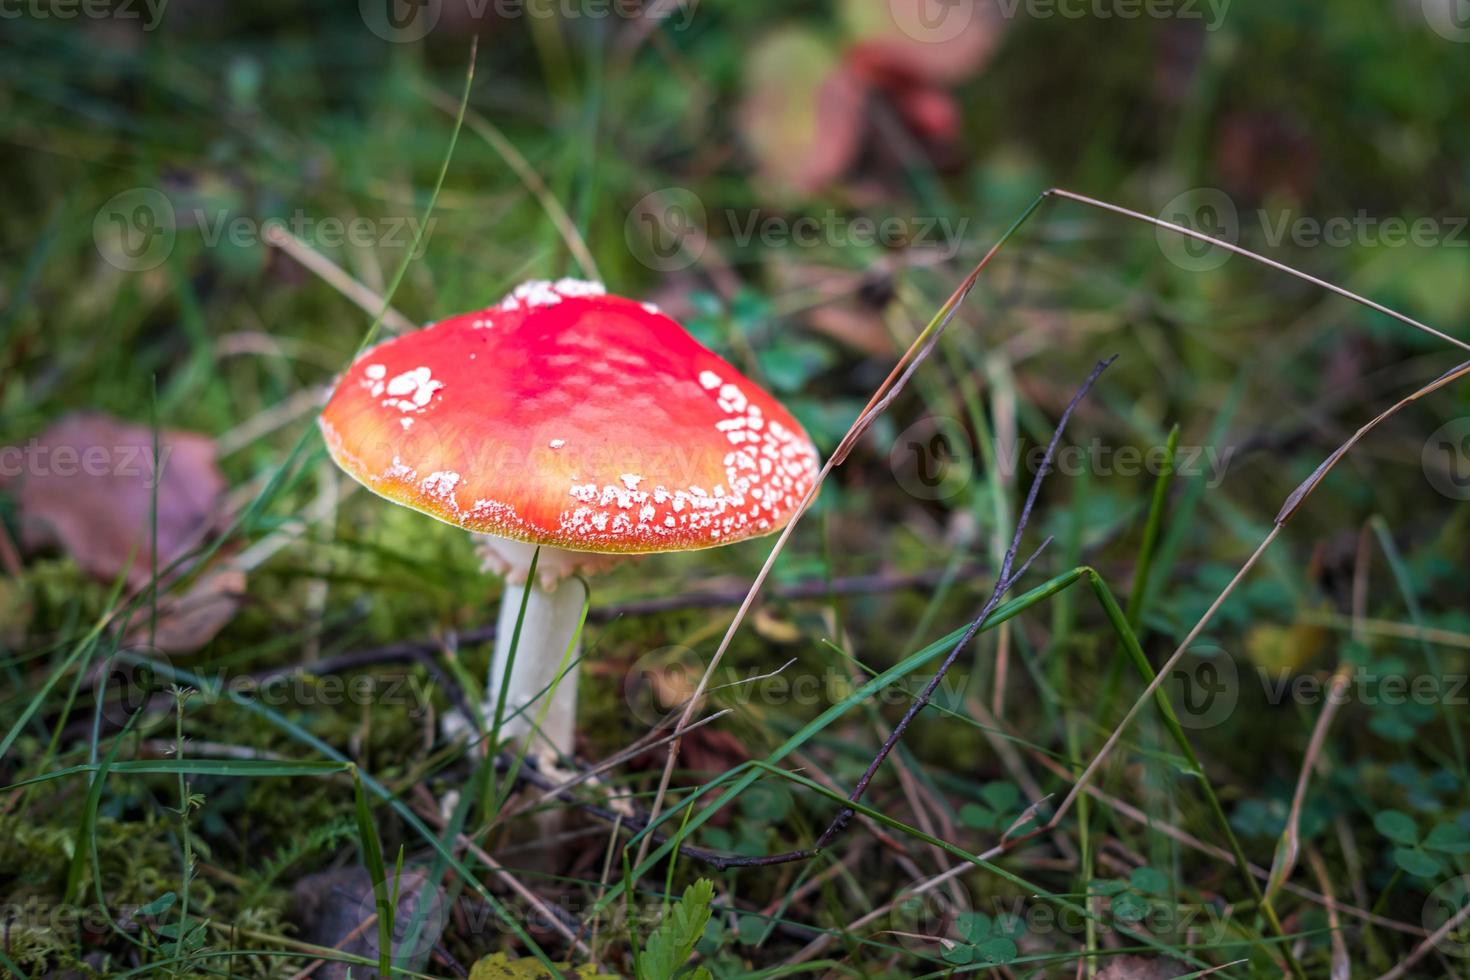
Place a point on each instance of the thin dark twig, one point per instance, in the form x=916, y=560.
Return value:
x=1004, y=581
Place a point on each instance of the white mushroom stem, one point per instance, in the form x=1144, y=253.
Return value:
x=545, y=665
x=547, y=632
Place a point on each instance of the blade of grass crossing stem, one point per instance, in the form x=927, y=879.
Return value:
x=543, y=701
x=492, y=741
x=372, y=857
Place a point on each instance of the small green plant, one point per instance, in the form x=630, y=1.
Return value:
x=985, y=941
x=1131, y=900
x=1421, y=855
x=667, y=952
x=997, y=810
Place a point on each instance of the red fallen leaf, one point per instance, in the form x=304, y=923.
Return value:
x=943, y=42
x=86, y=486
x=930, y=111
x=803, y=113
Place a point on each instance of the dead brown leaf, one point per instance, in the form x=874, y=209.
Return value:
x=188, y=620
x=87, y=489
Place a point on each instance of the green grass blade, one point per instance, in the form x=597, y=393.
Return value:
x=372, y=857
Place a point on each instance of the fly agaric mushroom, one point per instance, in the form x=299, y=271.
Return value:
x=586, y=425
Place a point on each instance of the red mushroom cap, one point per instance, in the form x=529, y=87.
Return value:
x=570, y=418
